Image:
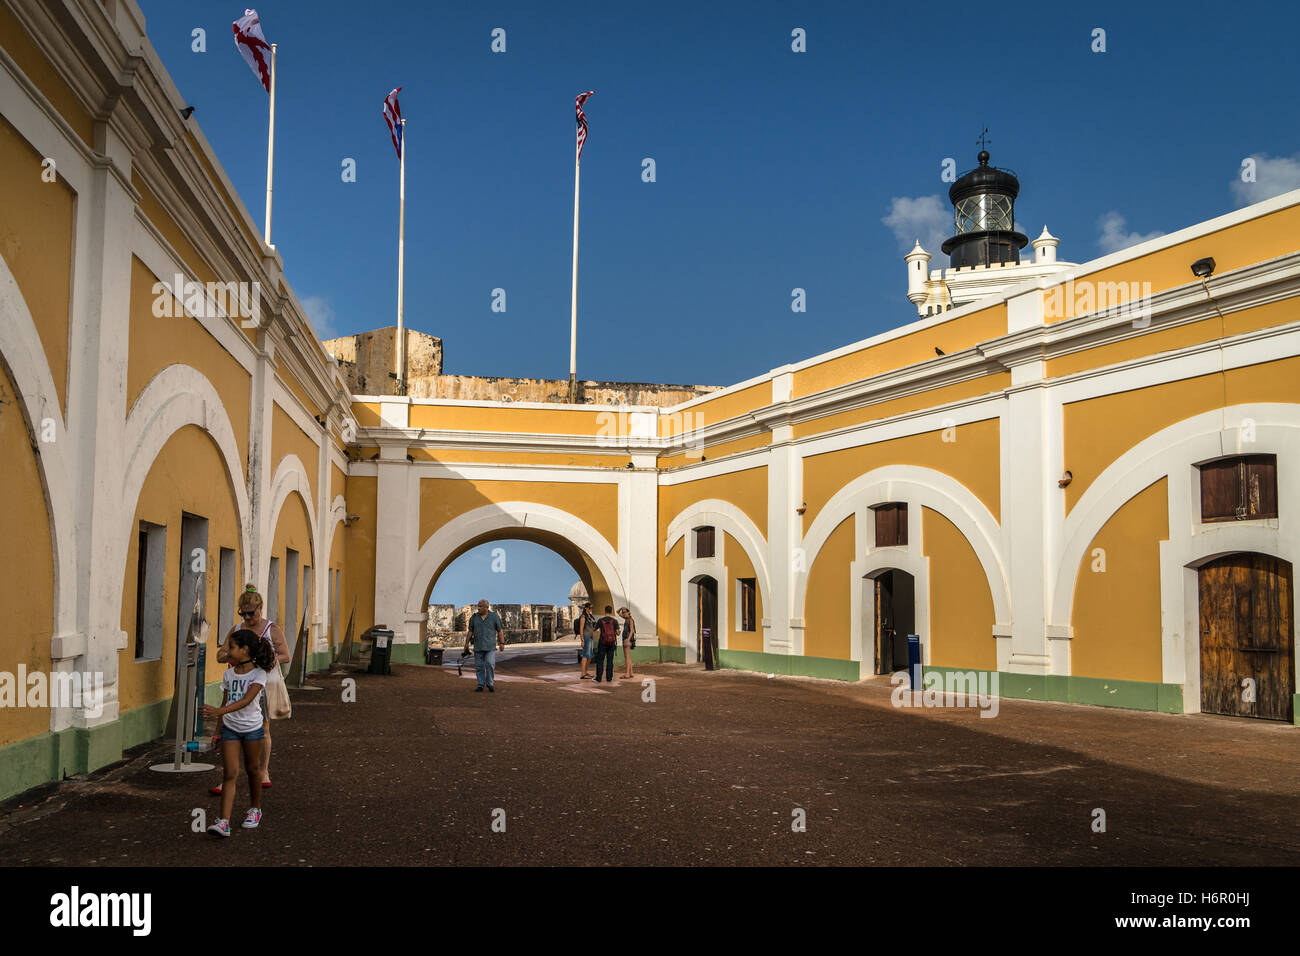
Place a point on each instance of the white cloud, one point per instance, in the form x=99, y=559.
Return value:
x=927, y=218
x=321, y=314
x=1273, y=175
x=1113, y=236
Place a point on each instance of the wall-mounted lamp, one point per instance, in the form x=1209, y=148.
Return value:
x=1065, y=480
x=1202, y=268
x=801, y=509
x=351, y=519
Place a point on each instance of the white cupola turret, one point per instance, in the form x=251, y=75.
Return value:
x=918, y=273
x=1045, y=247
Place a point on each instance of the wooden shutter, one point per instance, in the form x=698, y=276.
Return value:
x=891, y=525
x=1241, y=487
x=704, y=542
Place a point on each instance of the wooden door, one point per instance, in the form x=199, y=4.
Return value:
x=885, y=629
x=1247, y=632
x=708, y=622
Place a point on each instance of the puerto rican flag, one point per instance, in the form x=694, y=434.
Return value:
x=582, y=120
x=252, y=46
x=393, y=117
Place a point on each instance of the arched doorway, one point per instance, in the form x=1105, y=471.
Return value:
x=706, y=621
x=1247, y=630
x=893, y=617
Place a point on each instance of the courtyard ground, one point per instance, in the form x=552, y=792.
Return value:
x=713, y=771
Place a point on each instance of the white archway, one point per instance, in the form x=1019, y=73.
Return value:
x=724, y=516
x=177, y=396
x=22, y=356
x=507, y=515
x=290, y=476
x=923, y=487
x=1173, y=453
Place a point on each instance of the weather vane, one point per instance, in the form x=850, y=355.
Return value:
x=984, y=140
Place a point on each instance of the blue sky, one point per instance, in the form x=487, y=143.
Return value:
x=774, y=169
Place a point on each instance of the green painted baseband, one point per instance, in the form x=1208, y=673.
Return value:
x=320, y=661
x=669, y=654
x=789, y=664
x=1295, y=710
x=50, y=757
x=1099, y=692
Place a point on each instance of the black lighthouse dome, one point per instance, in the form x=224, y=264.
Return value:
x=984, y=208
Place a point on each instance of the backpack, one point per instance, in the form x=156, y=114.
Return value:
x=608, y=631
x=577, y=626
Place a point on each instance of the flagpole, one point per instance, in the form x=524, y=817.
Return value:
x=401, y=264
x=270, y=151
x=573, y=318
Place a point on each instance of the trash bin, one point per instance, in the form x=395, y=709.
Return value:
x=433, y=655
x=382, y=650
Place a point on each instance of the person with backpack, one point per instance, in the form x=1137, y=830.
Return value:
x=607, y=643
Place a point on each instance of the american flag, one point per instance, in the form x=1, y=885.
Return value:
x=252, y=46
x=582, y=120
x=393, y=117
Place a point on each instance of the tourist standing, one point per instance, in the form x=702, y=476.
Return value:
x=607, y=636
x=629, y=641
x=487, y=634
x=240, y=723
x=274, y=701
x=588, y=627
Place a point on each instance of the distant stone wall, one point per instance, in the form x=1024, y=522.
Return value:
x=367, y=361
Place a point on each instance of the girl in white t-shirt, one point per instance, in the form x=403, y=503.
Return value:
x=241, y=723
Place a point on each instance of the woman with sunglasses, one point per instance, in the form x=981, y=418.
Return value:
x=250, y=618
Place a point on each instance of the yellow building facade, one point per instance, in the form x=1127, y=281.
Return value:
x=1038, y=502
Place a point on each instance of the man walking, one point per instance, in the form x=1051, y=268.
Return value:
x=487, y=634
x=607, y=642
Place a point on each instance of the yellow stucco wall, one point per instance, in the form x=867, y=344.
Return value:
x=746, y=489
x=559, y=421
x=359, y=549
x=1116, y=611
x=157, y=342
x=711, y=411
x=187, y=476
x=1099, y=430
x=670, y=598
x=288, y=439
x=739, y=566
x=442, y=499
x=715, y=451
x=1235, y=247
x=36, y=235
x=1168, y=340
x=952, y=336
x=33, y=63
x=961, y=607
x=26, y=567
x=971, y=458
x=827, y=628
x=292, y=384
x=291, y=531
x=171, y=232
x=930, y=398
x=469, y=456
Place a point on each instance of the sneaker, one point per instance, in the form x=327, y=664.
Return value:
x=221, y=828
x=479, y=689
x=492, y=688
x=251, y=821
x=215, y=791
